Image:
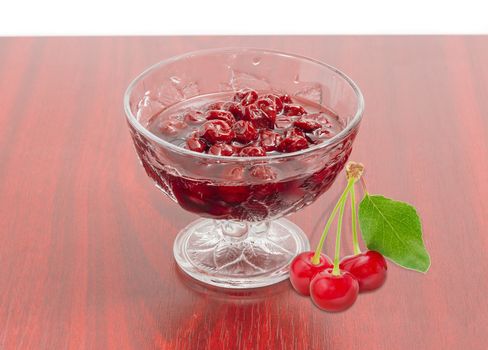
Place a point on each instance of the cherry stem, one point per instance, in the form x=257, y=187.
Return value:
x=318, y=250
x=336, y=270
x=363, y=184
x=355, y=243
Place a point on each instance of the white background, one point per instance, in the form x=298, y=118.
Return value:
x=148, y=17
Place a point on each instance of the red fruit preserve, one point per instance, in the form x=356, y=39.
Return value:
x=227, y=129
x=260, y=124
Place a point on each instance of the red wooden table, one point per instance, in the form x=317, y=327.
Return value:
x=86, y=240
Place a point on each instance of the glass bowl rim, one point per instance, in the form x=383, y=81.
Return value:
x=334, y=140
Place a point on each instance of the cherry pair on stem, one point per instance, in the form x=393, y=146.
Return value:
x=334, y=286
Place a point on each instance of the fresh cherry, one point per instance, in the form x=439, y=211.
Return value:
x=252, y=151
x=226, y=116
x=302, y=270
x=292, y=110
x=246, y=96
x=245, y=131
x=369, y=268
x=217, y=131
x=221, y=149
x=334, y=293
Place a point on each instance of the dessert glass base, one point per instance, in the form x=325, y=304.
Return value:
x=232, y=254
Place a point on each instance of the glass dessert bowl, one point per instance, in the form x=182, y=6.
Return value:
x=242, y=137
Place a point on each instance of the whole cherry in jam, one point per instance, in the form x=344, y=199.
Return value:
x=268, y=107
x=264, y=173
x=334, y=293
x=277, y=103
x=196, y=144
x=252, y=151
x=235, y=108
x=269, y=140
x=234, y=173
x=293, y=132
x=246, y=96
x=226, y=116
x=293, y=110
x=286, y=98
x=306, y=124
x=259, y=118
x=369, y=268
x=292, y=143
x=234, y=194
x=245, y=131
x=302, y=270
x=221, y=149
x=217, y=131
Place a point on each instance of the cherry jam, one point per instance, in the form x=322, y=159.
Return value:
x=247, y=123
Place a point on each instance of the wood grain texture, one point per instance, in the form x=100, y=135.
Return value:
x=86, y=240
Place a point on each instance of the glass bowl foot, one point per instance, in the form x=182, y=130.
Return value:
x=239, y=255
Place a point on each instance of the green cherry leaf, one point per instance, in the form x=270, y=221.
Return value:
x=393, y=228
